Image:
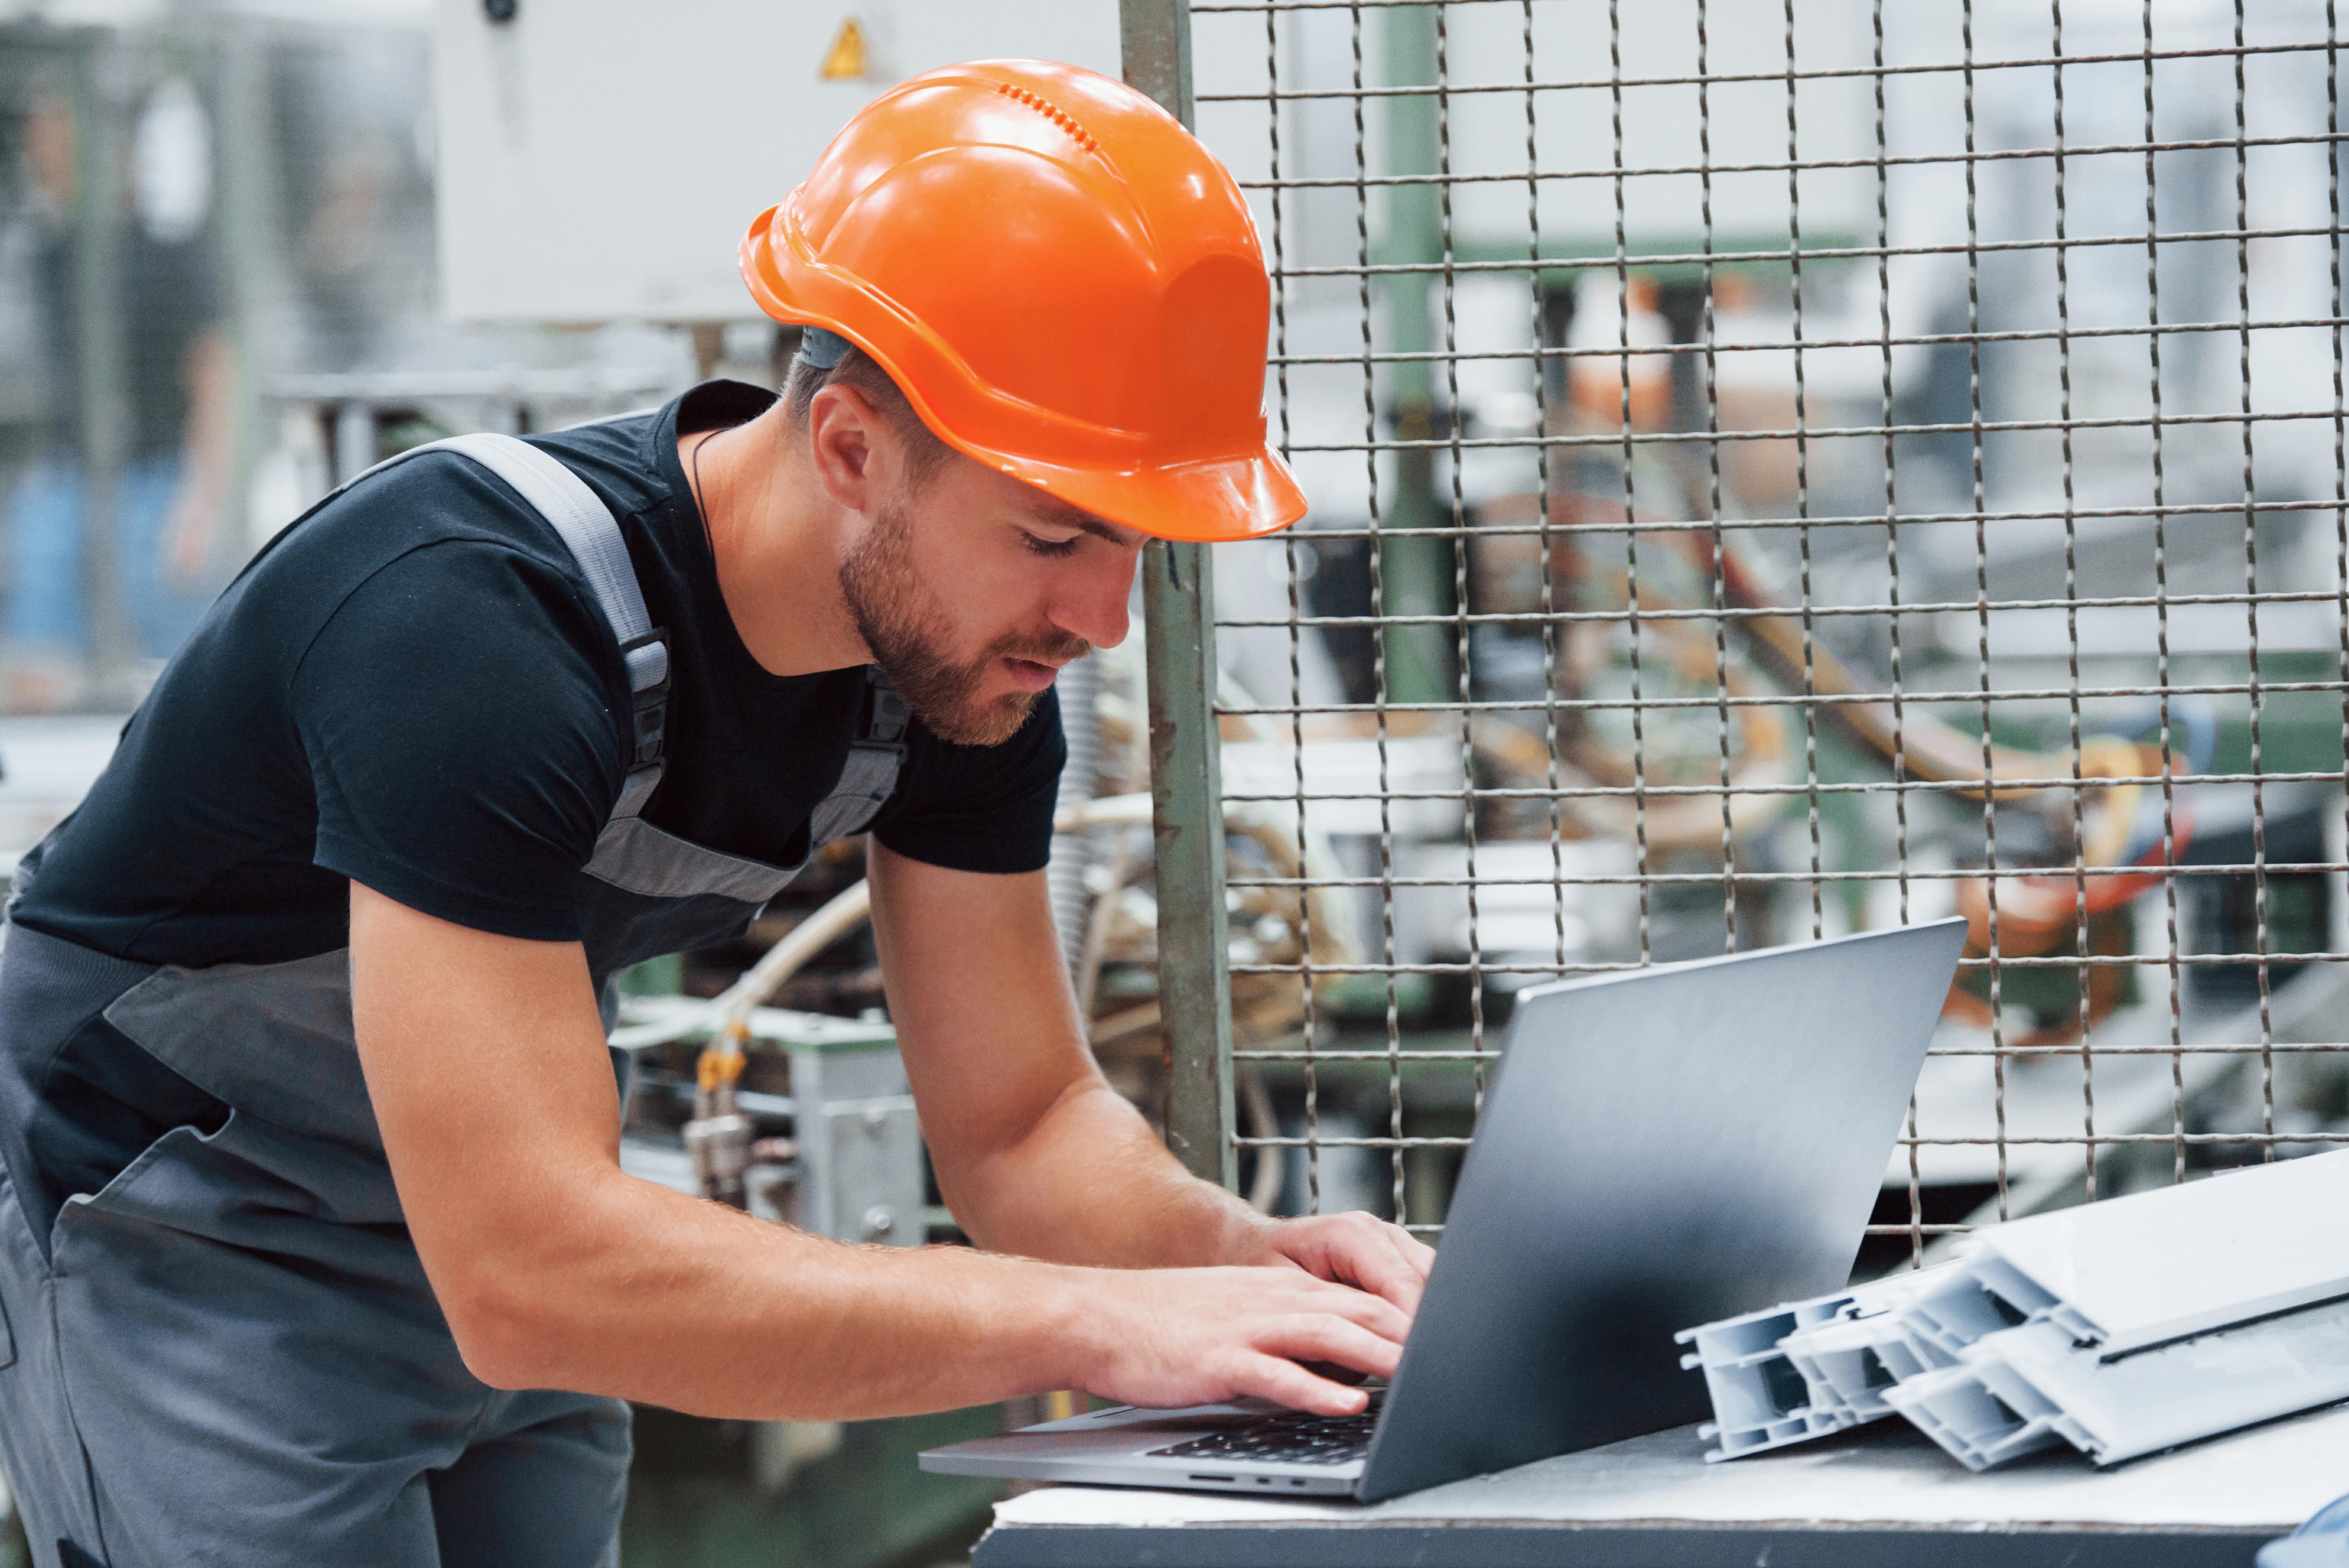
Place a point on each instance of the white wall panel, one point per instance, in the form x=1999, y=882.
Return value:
x=601, y=159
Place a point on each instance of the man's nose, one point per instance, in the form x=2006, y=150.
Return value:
x=1089, y=599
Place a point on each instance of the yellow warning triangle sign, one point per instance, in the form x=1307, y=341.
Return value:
x=848, y=59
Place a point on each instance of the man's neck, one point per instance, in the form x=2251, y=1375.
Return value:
x=773, y=532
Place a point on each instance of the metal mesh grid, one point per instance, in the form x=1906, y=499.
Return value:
x=1786, y=470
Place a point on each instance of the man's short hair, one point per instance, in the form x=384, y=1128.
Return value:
x=925, y=453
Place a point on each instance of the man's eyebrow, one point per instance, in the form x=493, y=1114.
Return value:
x=1100, y=528
x=1056, y=513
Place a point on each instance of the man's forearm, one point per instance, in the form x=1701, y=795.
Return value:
x=623, y=1288
x=1091, y=1184
x=641, y=1293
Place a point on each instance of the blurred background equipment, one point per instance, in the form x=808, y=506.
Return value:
x=1786, y=470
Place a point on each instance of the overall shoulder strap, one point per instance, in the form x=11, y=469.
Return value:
x=874, y=758
x=585, y=525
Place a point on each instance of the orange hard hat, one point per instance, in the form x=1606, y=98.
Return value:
x=1063, y=281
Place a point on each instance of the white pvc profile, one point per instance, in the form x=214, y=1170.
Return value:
x=2120, y=1328
x=1763, y=1394
x=1849, y=1362
x=2030, y=1388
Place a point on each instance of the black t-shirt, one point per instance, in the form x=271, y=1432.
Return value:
x=414, y=688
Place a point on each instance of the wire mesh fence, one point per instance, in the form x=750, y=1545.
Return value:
x=1779, y=471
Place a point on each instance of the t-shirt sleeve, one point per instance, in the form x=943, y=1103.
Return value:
x=980, y=808
x=462, y=739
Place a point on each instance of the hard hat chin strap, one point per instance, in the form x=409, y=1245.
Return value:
x=822, y=350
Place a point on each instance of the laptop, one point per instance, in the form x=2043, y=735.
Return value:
x=1659, y=1148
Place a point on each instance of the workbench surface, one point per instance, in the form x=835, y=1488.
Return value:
x=1880, y=1496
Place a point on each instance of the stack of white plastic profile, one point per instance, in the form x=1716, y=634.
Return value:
x=1805, y=1368
x=2119, y=1327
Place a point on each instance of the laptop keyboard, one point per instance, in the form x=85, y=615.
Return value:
x=1294, y=1440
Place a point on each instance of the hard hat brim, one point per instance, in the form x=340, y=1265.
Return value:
x=1214, y=501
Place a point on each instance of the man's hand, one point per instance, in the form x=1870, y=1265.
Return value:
x=1353, y=1249
x=208, y=456
x=1197, y=1336
x=188, y=534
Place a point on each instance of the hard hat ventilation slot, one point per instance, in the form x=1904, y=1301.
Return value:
x=1053, y=112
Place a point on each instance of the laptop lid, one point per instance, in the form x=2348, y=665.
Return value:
x=1659, y=1147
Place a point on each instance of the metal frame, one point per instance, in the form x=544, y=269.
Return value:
x=1185, y=780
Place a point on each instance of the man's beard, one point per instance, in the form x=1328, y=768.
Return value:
x=902, y=621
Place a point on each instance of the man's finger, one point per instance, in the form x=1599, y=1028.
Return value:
x=1319, y=1338
x=1374, y=1313
x=1366, y=1307
x=1409, y=1248
x=1390, y=1279
x=1414, y=1254
x=1421, y=1255
x=1286, y=1383
x=1366, y=1255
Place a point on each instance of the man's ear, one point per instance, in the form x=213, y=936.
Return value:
x=841, y=426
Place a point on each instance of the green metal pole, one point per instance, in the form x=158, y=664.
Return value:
x=1414, y=574
x=1157, y=39
x=1187, y=788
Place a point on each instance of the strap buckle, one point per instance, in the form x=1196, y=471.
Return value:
x=646, y=658
x=885, y=718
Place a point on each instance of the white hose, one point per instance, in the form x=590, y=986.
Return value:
x=847, y=910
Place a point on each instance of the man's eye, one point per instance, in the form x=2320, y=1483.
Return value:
x=1050, y=548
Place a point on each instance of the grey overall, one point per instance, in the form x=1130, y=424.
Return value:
x=230, y=1354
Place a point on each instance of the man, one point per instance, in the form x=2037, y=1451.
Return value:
x=305, y=1106
x=178, y=373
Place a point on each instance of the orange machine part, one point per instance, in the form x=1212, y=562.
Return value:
x=1065, y=282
